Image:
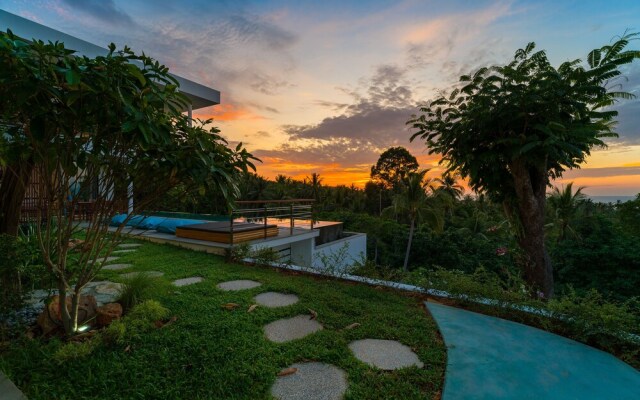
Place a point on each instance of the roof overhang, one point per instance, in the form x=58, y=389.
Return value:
x=201, y=96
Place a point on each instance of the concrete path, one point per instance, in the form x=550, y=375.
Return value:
x=491, y=358
x=9, y=391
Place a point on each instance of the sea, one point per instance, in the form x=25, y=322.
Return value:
x=611, y=199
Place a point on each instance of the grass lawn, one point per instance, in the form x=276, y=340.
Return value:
x=213, y=353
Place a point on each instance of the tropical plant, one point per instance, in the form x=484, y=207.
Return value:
x=448, y=183
x=511, y=129
x=315, y=183
x=94, y=125
x=565, y=203
x=414, y=202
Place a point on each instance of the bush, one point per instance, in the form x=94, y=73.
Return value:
x=139, y=320
x=21, y=268
x=138, y=288
x=238, y=253
x=74, y=350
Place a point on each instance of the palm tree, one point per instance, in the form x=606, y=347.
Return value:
x=448, y=183
x=565, y=204
x=315, y=182
x=415, y=202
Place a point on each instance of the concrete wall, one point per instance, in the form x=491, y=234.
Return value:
x=340, y=255
x=302, y=252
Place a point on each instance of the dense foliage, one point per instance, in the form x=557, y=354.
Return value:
x=513, y=128
x=95, y=125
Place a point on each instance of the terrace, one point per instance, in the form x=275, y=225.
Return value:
x=285, y=226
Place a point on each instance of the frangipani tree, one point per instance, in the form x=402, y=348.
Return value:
x=511, y=129
x=91, y=126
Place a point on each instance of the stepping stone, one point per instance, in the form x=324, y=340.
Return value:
x=151, y=274
x=108, y=259
x=311, y=381
x=385, y=354
x=273, y=299
x=238, y=285
x=116, y=267
x=284, y=330
x=129, y=245
x=188, y=281
x=123, y=251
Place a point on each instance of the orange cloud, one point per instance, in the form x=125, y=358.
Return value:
x=227, y=112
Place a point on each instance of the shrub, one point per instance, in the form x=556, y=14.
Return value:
x=238, y=253
x=115, y=333
x=139, y=320
x=138, y=288
x=265, y=256
x=146, y=312
x=73, y=350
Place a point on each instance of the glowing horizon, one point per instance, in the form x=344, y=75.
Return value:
x=327, y=87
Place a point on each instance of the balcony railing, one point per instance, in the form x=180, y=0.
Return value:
x=279, y=212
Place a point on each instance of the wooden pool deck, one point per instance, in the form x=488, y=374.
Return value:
x=285, y=236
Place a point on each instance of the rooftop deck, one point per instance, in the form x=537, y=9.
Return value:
x=285, y=236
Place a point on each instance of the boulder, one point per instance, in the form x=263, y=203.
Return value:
x=50, y=318
x=108, y=313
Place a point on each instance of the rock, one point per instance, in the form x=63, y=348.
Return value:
x=108, y=313
x=50, y=318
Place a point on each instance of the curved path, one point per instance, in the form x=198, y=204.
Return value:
x=491, y=358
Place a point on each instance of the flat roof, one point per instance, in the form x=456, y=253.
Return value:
x=200, y=95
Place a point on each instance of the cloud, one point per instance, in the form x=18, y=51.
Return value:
x=104, y=10
x=226, y=112
x=376, y=119
x=268, y=84
x=628, y=110
x=601, y=172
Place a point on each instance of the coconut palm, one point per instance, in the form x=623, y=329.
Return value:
x=315, y=183
x=415, y=201
x=565, y=203
x=448, y=183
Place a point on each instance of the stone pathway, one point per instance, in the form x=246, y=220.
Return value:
x=238, y=285
x=125, y=251
x=129, y=245
x=151, y=274
x=311, y=381
x=188, y=281
x=284, y=330
x=385, y=354
x=274, y=299
x=9, y=391
x=117, y=267
x=491, y=358
x=109, y=259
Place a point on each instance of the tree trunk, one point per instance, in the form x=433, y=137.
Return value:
x=530, y=187
x=406, y=256
x=13, y=186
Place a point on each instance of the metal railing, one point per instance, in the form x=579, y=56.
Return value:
x=276, y=211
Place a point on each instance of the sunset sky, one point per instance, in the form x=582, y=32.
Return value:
x=326, y=86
